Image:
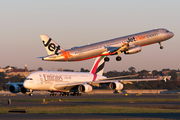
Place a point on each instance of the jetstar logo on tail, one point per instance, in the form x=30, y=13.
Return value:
x=52, y=46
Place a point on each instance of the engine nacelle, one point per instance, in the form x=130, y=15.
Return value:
x=133, y=50
x=14, y=88
x=23, y=90
x=116, y=86
x=85, y=88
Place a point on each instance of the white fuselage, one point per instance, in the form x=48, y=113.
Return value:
x=49, y=80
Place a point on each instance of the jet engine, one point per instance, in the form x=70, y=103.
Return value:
x=17, y=88
x=85, y=88
x=133, y=50
x=24, y=90
x=116, y=86
x=14, y=88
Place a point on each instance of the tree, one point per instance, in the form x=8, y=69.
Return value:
x=155, y=72
x=2, y=74
x=173, y=75
x=84, y=70
x=40, y=69
x=132, y=70
x=143, y=73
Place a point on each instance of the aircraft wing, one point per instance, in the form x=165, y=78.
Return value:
x=124, y=47
x=112, y=49
x=9, y=83
x=118, y=77
x=68, y=86
x=124, y=80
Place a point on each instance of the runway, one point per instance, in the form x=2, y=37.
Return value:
x=90, y=96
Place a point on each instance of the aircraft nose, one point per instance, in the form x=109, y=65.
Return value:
x=25, y=84
x=170, y=34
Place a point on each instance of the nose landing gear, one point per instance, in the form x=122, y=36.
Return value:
x=161, y=47
x=30, y=92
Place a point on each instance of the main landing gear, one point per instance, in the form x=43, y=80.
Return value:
x=161, y=47
x=106, y=59
x=53, y=94
x=76, y=94
x=64, y=94
x=118, y=58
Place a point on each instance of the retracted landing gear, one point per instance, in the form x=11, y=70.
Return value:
x=161, y=47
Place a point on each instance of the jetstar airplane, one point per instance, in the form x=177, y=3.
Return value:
x=70, y=82
x=128, y=44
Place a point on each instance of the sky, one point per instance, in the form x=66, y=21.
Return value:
x=80, y=22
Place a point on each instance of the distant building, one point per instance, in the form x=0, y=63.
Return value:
x=22, y=72
x=2, y=70
x=166, y=72
x=25, y=69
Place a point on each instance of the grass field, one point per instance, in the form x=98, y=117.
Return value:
x=92, y=109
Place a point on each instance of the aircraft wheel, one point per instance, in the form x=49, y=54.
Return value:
x=118, y=58
x=30, y=94
x=106, y=59
x=161, y=47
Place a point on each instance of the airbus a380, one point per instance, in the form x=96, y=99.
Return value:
x=128, y=44
x=70, y=82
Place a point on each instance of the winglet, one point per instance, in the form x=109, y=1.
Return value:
x=98, y=66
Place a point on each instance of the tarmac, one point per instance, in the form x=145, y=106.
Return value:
x=45, y=95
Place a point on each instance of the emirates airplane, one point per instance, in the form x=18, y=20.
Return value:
x=128, y=44
x=70, y=82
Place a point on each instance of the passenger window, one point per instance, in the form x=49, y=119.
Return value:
x=29, y=79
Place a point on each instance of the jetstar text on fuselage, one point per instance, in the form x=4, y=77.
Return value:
x=138, y=38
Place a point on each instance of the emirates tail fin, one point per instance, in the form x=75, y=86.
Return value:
x=98, y=66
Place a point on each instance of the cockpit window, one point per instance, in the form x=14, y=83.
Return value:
x=167, y=31
x=29, y=79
